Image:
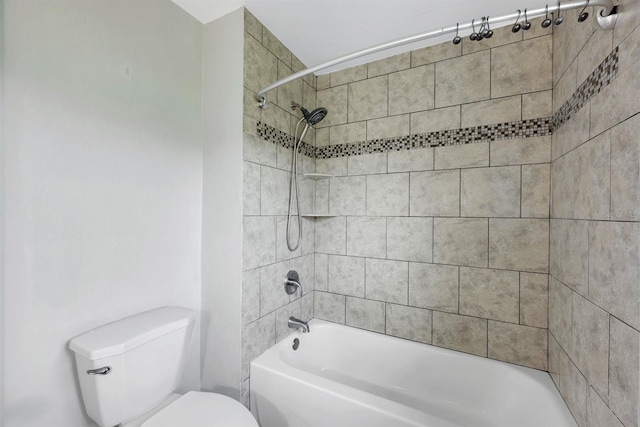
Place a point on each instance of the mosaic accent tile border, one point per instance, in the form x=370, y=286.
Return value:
x=510, y=130
x=600, y=78
x=283, y=139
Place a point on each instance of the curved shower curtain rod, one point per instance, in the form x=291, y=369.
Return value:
x=607, y=8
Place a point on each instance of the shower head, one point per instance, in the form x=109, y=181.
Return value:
x=313, y=117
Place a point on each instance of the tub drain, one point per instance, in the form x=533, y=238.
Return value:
x=296, y=343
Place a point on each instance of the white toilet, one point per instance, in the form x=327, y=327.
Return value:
x=129, y=369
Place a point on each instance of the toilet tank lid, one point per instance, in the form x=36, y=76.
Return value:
x=126, y=334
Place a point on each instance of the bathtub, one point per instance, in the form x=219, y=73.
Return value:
x=346, y=377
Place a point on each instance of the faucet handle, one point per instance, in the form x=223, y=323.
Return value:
x=292, y=283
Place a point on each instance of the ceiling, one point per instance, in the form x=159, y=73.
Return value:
x=317, y=31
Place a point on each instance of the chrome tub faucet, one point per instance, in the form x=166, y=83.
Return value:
x=298, y=324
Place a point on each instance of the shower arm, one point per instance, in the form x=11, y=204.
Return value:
x=607, y=9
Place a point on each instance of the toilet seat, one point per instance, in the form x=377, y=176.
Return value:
x=202, y=409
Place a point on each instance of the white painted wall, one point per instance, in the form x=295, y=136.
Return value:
x=103, y=184
x=223, y=58
x=1, y=214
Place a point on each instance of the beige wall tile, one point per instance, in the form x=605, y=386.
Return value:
x=272, y=296
x=323, y=81
x=521, y=67
x=534, y=299
x=347, y=195
x=387, y=280
x=410, y=160
x=365, y=314
x=521, y=151
x=435, y=193
x=349, y=75
x=258, y=241
x=462, y=333
x=625, y=171
x=535, y=190
x=252, y=25
x=592, y=181
x=367, y=237
x=331, y=235
x=390, y=65
x=590, y=342
x=629, y=49
x=573, y=387
x=463, y=79
x=321, y=271
x=409, y=322
x=554, y=359
x=411, y=90
x=388, y=195
x=388, y=127
x=560, y=313
x=519, y=244
x=260, y=65
x=616, y=102
x=336, y=166
x=568, y=250
x=346, y=275
x=251, y=188
x=329, y=307
x=257, y=150
x=367, y=164
x=536, y=105
x=628, y=20
x=568, y=40
x=275, y=46
x=572, y=133
x=462, y=156
x=566, y=86
x=490, y=294
x=614, y=269
x=368, y=99
x=522, y=345
x=250, y=296
x=344, y=134
x=290, y=92
x=435, y=120
x=433, y=286
x=594, y=52
x=623, y=375
x=278, y=118
x=257, y=337
x=335, y=101
x=563, y=187
x=501, y=110
x=435, y=53
x=409, y=239
x=490, y=192
x=598, y=413
x=461, y=241
x=323, y=137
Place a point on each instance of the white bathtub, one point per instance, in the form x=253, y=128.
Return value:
x=342, y=376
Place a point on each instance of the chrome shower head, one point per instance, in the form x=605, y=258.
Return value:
x=312, y=118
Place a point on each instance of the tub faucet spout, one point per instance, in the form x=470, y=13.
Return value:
x=298, y=324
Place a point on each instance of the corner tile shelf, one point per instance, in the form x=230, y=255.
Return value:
x=318, y=175
x=318, y=215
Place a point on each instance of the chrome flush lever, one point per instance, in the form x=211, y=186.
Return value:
x=99, y=371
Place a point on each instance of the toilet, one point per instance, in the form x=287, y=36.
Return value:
x=128, y=371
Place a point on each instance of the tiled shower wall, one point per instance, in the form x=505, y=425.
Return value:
x=441, y=244
x=266, y=258
x=594, y=315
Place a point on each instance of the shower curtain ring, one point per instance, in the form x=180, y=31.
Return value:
x=584, y=15
x=473, y=35
x=488, y=31
x=457, y=39
x=516, y=27
x=527, y=24
x=559, y=19
x=480, y=35
x=546, y=21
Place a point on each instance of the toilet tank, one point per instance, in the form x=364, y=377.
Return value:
x=145, y=356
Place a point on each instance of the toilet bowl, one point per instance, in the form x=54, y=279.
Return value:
x=195, y=409
x=129, y=370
